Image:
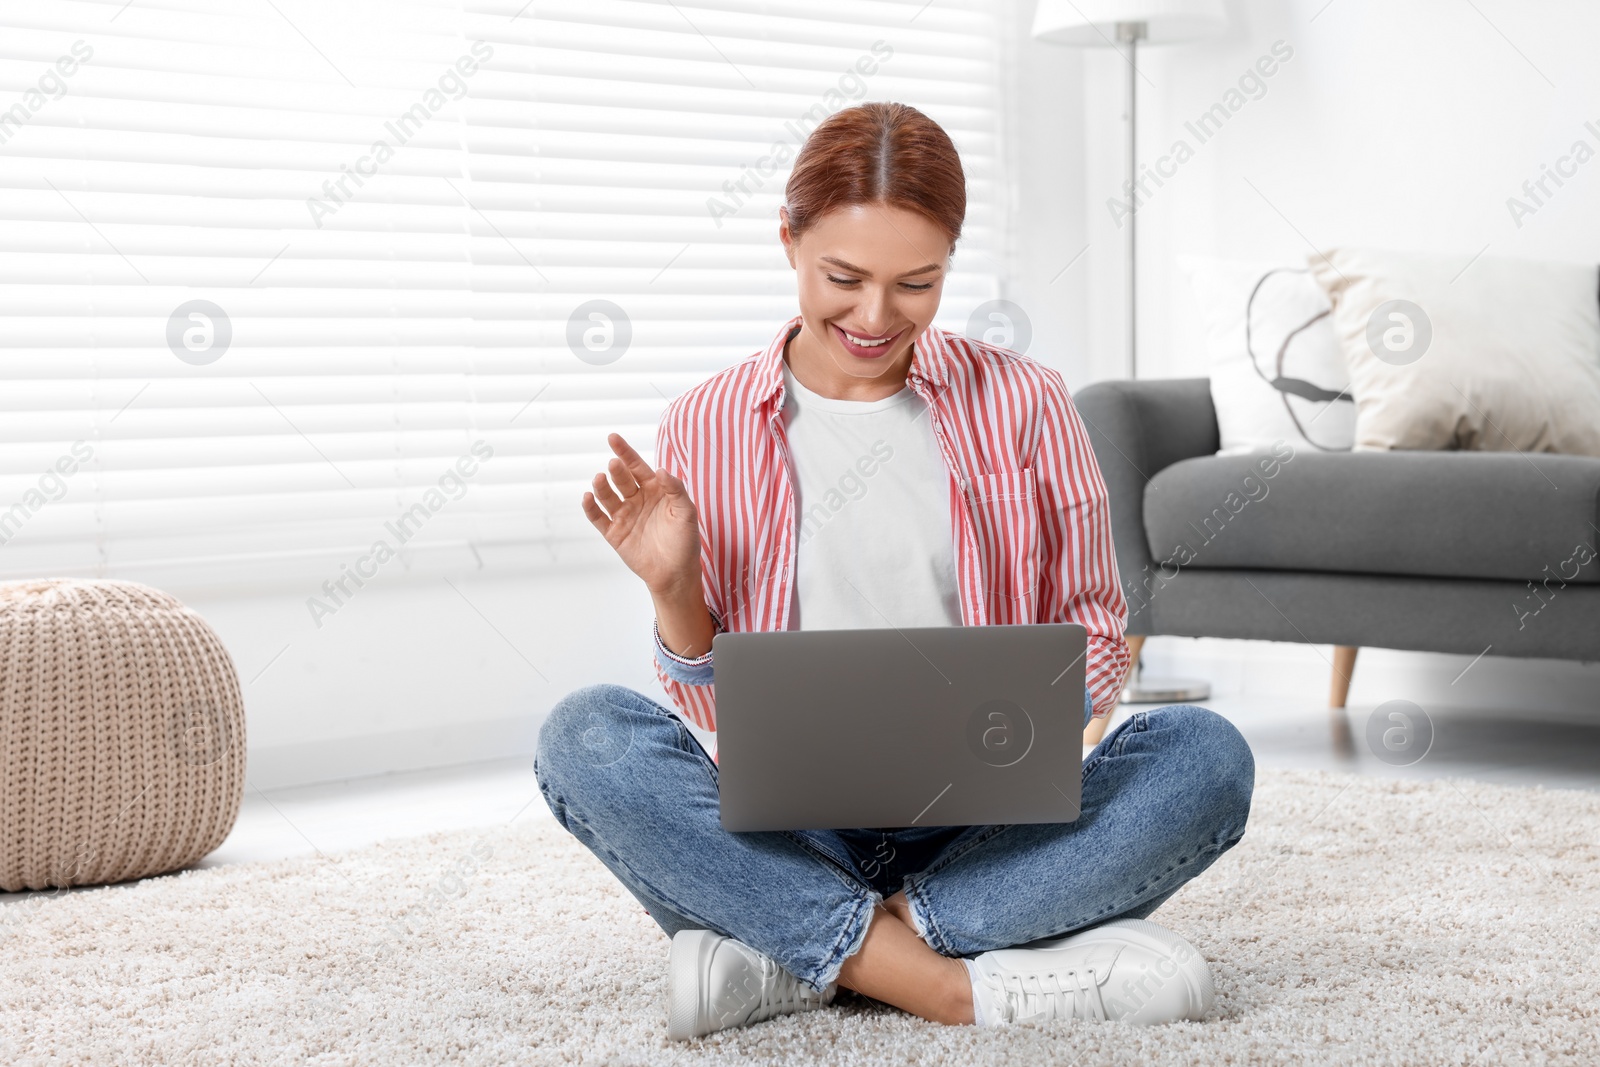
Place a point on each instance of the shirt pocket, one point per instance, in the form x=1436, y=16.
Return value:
x=1005, y=517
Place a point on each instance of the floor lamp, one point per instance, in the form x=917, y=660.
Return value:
x=1114, y=23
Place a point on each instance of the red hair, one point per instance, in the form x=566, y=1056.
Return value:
x=878, y=153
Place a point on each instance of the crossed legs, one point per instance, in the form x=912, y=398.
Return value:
x=1164, y=794
x=897, y=967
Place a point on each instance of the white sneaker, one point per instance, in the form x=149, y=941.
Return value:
x=1126, y=970
x=714, y=982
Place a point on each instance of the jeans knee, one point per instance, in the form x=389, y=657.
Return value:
x=588, y=729
x=1221, y=759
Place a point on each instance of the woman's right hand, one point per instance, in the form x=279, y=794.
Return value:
x=647, y=516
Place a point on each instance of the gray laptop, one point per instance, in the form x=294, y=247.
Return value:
x=943, y=726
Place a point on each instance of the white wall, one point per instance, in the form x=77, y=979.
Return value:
x=1048, y=263
x=417, y=671
x=1397, y=125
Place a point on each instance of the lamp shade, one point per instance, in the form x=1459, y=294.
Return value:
x=1094, y=22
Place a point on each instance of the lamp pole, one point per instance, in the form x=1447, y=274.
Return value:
x=1093, y=24
x=1131, y=33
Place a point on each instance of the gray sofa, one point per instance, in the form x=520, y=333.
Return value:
x=1466, y=552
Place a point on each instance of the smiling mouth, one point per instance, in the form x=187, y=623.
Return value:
x=865, y=346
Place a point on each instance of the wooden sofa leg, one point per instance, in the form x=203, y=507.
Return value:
x=1344, y=665
x=1097, y=727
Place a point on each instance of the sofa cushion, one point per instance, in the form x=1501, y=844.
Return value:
x=1503, y=357
x=1533, y=517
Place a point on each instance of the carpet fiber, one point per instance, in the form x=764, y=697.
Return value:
x=1359, y=921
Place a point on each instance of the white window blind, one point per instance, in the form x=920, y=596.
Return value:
x=393, y=212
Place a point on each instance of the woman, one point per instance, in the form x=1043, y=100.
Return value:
x=983, y=505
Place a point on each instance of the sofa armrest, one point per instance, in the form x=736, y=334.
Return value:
x=1138, y=428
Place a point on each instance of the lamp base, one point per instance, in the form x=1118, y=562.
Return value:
x=1166, y=691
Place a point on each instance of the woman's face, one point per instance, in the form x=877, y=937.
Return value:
x=868, y=272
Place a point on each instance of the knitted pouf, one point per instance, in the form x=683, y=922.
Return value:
x=121, y=734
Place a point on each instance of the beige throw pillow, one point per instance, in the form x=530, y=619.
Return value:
x=1446, y=352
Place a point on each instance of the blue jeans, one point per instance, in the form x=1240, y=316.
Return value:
x=1164, y=794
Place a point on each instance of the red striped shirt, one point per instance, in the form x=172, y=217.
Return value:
x=1029, y=514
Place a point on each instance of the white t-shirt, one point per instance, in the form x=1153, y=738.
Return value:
x=872, y=513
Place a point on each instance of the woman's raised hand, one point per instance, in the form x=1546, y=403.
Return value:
x=647, y=516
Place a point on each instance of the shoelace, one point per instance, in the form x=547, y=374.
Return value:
x=1079, y=1000
x=782, y=992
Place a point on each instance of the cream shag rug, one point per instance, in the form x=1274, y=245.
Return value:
x=1360, y=921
